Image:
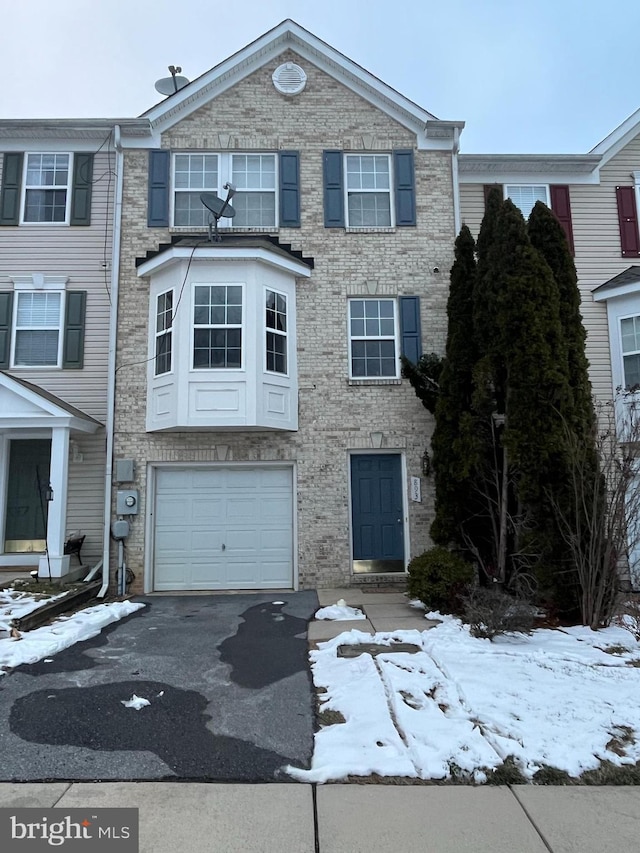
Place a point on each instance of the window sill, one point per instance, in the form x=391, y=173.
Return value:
x=371, y=230
x=204, y=229
x=374, y=380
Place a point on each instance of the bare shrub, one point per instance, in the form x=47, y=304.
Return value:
x=490, y=612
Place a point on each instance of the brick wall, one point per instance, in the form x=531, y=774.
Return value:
x=334, y=417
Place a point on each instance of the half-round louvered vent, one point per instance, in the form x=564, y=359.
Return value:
x=289, y=79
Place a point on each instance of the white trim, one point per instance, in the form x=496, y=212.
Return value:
x=286, y=335
x=618, y=138
x=150, y=503
x=290, y=35
x=533, y=186
x=207, y=252
x=46, y=188
x=60, y=329
x=212, y=371
x=396, y=335
x=365, y=191
x=39, y=281
x=170, y=331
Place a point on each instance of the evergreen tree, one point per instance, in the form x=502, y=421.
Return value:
x=452, y=441
x=547, y=236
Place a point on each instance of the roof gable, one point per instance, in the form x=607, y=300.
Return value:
x=24, y=404
x=618, y=138
x=290, y=35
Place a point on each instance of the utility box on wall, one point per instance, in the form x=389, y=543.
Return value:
x=125, y=471
x=127, y=501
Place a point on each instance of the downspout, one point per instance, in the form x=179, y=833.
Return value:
x=454, y=177
x=111, y=380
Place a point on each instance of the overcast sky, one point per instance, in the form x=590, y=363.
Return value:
x=551, y=76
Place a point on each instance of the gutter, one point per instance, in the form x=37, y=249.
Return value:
x=111, y=380
x=454, y=177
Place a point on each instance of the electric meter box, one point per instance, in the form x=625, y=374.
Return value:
x=127, y=501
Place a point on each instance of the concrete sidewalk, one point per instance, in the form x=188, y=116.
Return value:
x=231, y=818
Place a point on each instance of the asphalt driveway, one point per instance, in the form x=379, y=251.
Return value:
x=226, y=676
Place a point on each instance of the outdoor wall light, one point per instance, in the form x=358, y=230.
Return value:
x=48, y=494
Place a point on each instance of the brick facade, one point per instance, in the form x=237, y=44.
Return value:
x=334, y=415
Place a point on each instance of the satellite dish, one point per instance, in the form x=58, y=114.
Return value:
x=170, y=85
x=217, y=206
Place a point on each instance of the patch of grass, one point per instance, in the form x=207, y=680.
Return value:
x=327, y=717
x=622, y=737
x=612, y=774
x=508, y=773
x=614, y=650
x=634, y=662
x=44, y=588
x=552, y=776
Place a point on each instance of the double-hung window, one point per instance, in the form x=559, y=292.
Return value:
x=38, y=324
x=217, y=326
x=630, y=336
x=373, y=338
x=164, y=324
x=46, y=188
x=525, y=196
x=276, y=326
x=254, y=177
x=368, y=188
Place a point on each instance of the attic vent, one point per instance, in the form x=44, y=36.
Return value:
x=289, y=79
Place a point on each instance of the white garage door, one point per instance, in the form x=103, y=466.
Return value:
x=223, y=528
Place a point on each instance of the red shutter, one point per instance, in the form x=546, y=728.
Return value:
x=487, y=189
x=561, y=206
x=628, y=219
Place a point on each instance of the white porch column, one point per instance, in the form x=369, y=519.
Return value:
x=57, y=562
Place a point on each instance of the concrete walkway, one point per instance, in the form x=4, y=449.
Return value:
x=385, y=611
x=235, y=818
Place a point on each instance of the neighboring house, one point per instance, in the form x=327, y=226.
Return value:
x=56, y=220
x=260, y=412
x=596, y=197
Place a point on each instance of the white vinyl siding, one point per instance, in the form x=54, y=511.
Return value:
x=79, y=254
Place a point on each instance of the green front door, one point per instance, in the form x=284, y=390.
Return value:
x=26, y=520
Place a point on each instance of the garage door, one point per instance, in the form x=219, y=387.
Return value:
x=223, y=528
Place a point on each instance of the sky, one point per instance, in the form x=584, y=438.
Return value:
x=555, y=76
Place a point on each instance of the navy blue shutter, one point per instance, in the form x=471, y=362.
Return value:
x=333, y=189
x=81, y=190
x=410, y=328
x=158, y=208
x=11, y=185
x=73, y=343
x=405, y=188
x=6, y=319
x=289, y=189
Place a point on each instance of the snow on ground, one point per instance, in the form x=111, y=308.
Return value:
x=15, y=603
x=44, y=642
x=339, y=612
x=555, y=697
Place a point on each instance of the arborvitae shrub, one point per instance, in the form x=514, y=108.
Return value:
x=440, y=579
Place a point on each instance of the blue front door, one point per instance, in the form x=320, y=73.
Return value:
x=377, y=513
